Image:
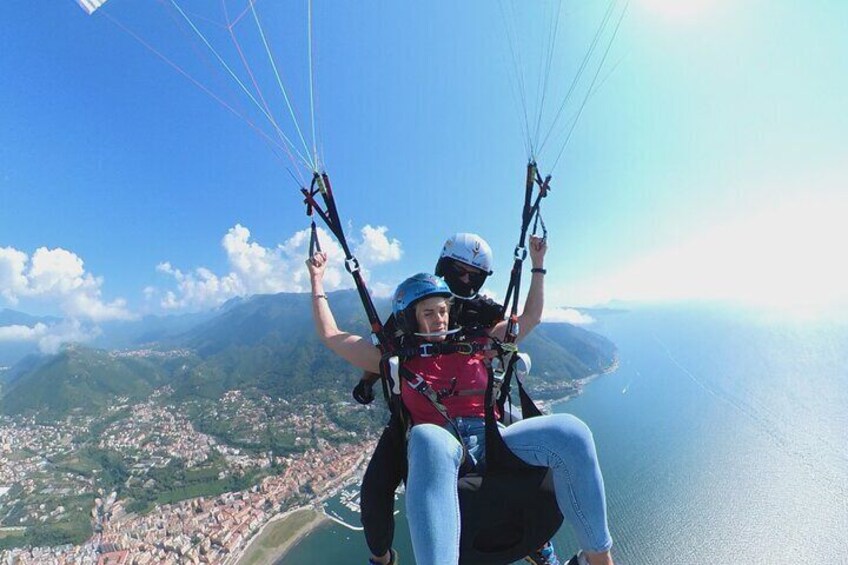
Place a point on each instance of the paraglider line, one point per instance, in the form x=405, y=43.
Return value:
x=243, y=13
x=581, y=69
x=191, y=79
x=311, y=82
x=552, y=36
x=592, y=85
x=256, y=86
x=519, y=79
x=235, y=77
x=280, y=83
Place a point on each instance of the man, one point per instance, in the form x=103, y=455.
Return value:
x=465, y=263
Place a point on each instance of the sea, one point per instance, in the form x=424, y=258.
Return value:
x=722, y=437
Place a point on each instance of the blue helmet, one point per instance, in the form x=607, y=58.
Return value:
x=410, y=292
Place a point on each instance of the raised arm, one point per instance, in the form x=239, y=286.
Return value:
x=531, y=315
x=354, y=349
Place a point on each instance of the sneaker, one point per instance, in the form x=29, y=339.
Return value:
x=392, y=561
x=545, y=555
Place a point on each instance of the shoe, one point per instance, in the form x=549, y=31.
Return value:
x=545, y=555
x=578, y=559
x=392, y=561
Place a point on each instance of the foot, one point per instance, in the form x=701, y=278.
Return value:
x=390, y=558
x=579, y=559
x=583, y=559
x=545, y=555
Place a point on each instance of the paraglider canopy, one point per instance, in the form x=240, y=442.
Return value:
x=90, y=5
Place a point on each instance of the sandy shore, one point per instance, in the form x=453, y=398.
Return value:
x=282, y=532
x=279, y=535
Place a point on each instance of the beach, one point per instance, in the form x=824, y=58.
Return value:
x=282, y=532
x=279, y=535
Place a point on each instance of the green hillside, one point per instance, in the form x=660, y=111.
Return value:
x=264, y=346
x=86, y=380
x=268, y=344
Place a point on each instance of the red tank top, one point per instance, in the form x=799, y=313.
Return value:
x=452, y=374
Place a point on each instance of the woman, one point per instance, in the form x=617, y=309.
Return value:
x=421, y=305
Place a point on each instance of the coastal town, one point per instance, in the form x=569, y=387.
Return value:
x=37, y=481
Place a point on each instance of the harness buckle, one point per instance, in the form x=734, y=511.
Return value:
x=520, y=253
x=425, y=350
x=465, y=348
x=507, y=348
x=514, y=329
x=497, y=379
x=352, y=265
x=419, y=384
x=447, y=391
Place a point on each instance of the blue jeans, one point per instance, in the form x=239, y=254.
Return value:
x=560, y=441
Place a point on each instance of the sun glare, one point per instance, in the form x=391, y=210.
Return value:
x=787, y=258
x=677, y=9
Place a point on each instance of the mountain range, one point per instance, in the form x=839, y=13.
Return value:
x=264, y=345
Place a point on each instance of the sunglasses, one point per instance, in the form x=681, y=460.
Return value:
x=462, y=269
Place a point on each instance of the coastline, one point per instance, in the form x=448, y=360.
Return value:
x=306, y=518
x=547, y=405
x=256, y=552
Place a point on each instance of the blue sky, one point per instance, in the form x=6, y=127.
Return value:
x=709, y=163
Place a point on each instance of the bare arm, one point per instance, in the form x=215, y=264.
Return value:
x=531, y=315
x=354, y=349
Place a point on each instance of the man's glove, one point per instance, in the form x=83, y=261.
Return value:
x=485, y=312
x=363, y=392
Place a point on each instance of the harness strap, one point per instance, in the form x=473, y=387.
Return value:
x=314, y=242
x=431, y=349
x=470, y=392
x=418, y=383
x=329, y=213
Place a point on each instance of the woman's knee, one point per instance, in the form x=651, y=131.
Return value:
x=573, y=434
x=433, y=445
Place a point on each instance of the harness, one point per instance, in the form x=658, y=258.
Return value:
x=401, y=373
x=509, y=509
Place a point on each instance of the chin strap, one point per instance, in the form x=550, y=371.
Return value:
x=438, y=334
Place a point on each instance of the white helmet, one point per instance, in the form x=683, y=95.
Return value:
x=469, y=249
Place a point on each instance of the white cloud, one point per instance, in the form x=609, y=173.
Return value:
x=17, y=333
x=56, y=276
x=382, y=290
x=68, y=331
x=256, y=269
x=375, y=248
x=568, y=316
x=12, y=278
x=49, y=338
